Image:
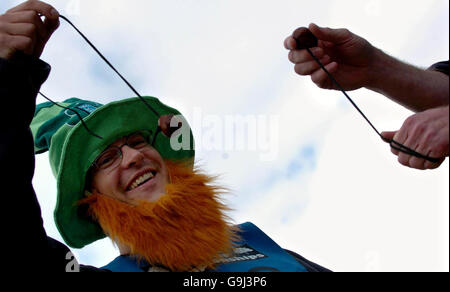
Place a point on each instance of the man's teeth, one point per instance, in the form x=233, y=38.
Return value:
x=141, y=179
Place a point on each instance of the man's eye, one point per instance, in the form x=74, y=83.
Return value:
x=106, y=159
x=137, y=142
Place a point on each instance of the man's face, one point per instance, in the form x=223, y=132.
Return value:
x=140, y=175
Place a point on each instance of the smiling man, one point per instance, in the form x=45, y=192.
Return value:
x=117, y=176
x=129, y=184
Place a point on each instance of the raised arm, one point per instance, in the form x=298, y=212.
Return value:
x=22, y=38
x=355, y=63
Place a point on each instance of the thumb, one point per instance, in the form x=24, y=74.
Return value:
x=388, y=136
x=336, y=36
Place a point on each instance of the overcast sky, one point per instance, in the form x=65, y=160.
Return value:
x=316, y=178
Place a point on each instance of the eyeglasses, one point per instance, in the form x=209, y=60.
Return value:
x=112, y=157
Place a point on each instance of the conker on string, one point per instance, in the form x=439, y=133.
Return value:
x=305, y=38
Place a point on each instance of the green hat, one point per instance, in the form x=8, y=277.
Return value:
x=72, y=150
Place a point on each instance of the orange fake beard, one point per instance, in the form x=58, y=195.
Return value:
x=185, y=229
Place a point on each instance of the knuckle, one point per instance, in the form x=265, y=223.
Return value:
x=300, y=69
x=31, y=15
x=320, y=82
x=400, y=133
x=403, y=160
x=317, y=83
x=346, y=32
x=417, y=163
x=297, y=56
x=395, y=152
x=409, y=122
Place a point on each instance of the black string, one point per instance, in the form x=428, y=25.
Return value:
x=158, y=130
x=112, y=67
x=109, y=64
x=78, y=115
x=394, y=144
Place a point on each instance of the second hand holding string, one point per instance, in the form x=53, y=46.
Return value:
x=305, y=39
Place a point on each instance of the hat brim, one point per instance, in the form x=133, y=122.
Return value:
x=80, y=149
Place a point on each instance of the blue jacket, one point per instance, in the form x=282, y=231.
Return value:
x=256, y=252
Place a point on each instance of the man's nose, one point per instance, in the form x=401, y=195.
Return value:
x=131, y=156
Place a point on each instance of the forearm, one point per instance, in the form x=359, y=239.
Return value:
x=416, y=89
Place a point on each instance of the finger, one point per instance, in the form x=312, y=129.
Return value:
x=394, y=151
x=38, y=6
x=403, y=159
x=310, y=67
x=30, y=17
x=401, y=136
x=433, y=165
x=290, y=43
x=23, y=29
x=22, y=43
x=27, y=30
x=388, y=136
x=301, y=56
x=49, y=25
x=335, y=36
x=416, y=162
x=410, y=142
x=321, y=79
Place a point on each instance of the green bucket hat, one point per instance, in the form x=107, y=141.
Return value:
x=72, y=150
